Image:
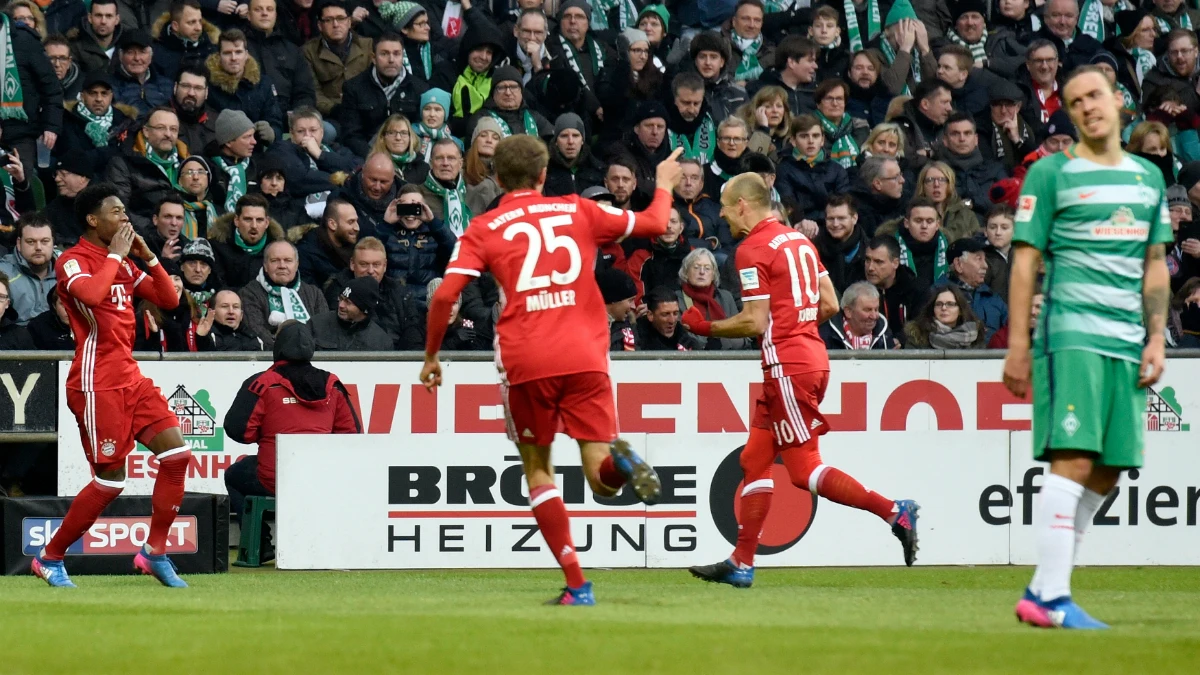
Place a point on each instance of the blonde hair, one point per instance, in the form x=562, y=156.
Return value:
x=39, y=17
x=886, y=128
x=1141, y=131
x=763, y=97
x=370, y=244
x=951, y=185
x=379, y=144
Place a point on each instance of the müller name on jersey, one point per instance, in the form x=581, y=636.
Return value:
x=549, y=300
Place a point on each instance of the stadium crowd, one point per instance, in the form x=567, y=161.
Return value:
x=317, y=161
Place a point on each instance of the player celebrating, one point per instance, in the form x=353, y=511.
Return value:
x=113, y=402
x=786, y=294
x=1098, y=217
x=552, y=335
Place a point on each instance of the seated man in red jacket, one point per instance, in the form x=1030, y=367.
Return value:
x=290, y=397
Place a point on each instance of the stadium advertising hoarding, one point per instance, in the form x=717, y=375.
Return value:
x=28, y=398
x=655, y=397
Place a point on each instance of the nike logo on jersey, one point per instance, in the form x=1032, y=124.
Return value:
x=1087, y=195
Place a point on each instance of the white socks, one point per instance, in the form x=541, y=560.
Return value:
x=1054, y=522
x=1089, y=504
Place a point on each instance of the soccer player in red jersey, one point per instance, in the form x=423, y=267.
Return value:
x=116, y=406
x=786, y=294
x=552, y=335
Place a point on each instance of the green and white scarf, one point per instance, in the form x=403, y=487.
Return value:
x=1091, y=19
x=401, y=162
x=889, y=53
x=940, y=267
x=457, y=213
x=796, y=155
x=531, y=128
x=873, y=24
x=191, y=224
x=1144, y=62
x=625, y=18
x=427, y=137
x=1129, y=104
x=10, y=195
x=389, y=90
x=572, y=55
x=978, y=49
x=702, y=144
x=12, y=99
x=169, y=165
x=97, y=125
x=283, y=302
x=844, y=149
x=1164, y=26
x=426, y=62
x=237, y=180
x=749, y=68
x=776, y=6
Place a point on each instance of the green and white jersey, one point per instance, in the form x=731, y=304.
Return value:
x=1092, y=224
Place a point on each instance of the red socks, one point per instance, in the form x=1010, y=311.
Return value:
x=756, y=503
x=552, y=520
x=609, y=474
x=168, y=495
x=838, y=487
x=85, y=509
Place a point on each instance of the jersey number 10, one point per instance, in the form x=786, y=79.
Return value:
x=527, y=281
x=812, y=292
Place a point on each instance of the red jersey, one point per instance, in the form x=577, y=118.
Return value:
x=98, y=289
x=779, y=264
x=542, y=252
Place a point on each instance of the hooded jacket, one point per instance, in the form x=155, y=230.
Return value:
x=1164, y=77
x=290, y=397
x=170, y=50
x=831, y=332
x=470, y=90
x=809, y=187
x=235, y=266
x=253, y=93
x=143, y=96
x=330, y=73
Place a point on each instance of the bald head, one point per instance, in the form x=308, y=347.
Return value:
x=745, y=203
x=378, y=175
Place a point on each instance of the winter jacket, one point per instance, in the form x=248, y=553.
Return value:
x=469, y=90
x=920, y=133
x=869, y=104
x=42, y=94
x=256, y=310
x=140, y=184
x=170, y=51
x=800, y=99
x=723, y=97
x=60, y=211
x=222, y=338
x=647, y=163
x=1083, y=48
x=237, y=267
x=74, y=138
x=320, y=257
x=729, y=306
x=960, y=221
x=810, y=187
x=302, y=178
x=365, y=106
x=988, y=307
x=288, y=398
x=14, y=336
x=647, y=338
x=63, y=15
x=843, y=259
x=703, y=226
x=874, y=209
x=1163, y=77
x=85, y=51
x=1126, y=66
x=621, y=337
x=1007, y=44
x=831, y=332
x=480, y=198
x=416, y=257
x=974, y=176
x=370, y=211
x=902, y=301
x=330, y=73
x=973, y=96
x=253, y=93
x=833, y=62
x=283, y=62
x=997, y=272
x=196, y=130
x=142, y=96
x=288, y=210
x=334, y=334
x=656, y=266
x=898, y=75
x=572, y=178
x=998, y=148
x=49, y=333
x=27, y=292
x=398, y=313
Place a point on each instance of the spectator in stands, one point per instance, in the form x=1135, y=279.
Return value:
x=397, y=313
x=445, y=190
x=689, y=124
x=464, y=334
x=479, y=173
x=277, y=294
x=1173, y=14
x=620, y=180
x=960, y=151
x=1013, y=24
x=733, y=137
x=700, y=282
x=197, y=266
x=30, y=267
x=221, y=329
x=135, y=83
x=419, y=247
x=239, y=239
x=69, y=74
x=630, y=78
x=72, y=173
x=397, y=138
x=969, y=31
x=325, y=247
x=231, y=158
x=869, y=96
x=659, y=329
x=711, y=55
x=924, y=116
x=507, y=106
x=279, y=57
x=1060, y=26
x=1177, y=71
x=93, y=41
x=1136, y=30
x=351, y=327
x=842, y=244
x=936, y=183
x=1000, y=338
x=481, y=49
x=290, y=397
x=859, y=326
x=51, y=330
x=659, y=265
x=654, y=20
x=166, y=238
x=573, y=168
x=307, y=158
x=1005, y=137
x=881, y=185
x=28, y=14
x=619, y=293
x=147, y=168
x=372, y=190
x=752, y=53
x=923, y=245
x=577, y=47
x=93, y=124
x=886, y=141
x=35, y=92
x=422, y=56
x=238, y=83
x=13, y=335
x=182, y=34
x=703, y=226
x=527, y=52
x=189, y=100
x=1057, y=135
x=384, y=89
x=844, y=133
x=968, y=84
x=1040, y=81
x=904, y=44
x=809, y=177
x=336, y=56
x=272, y=184
x=999, y=232
x=968, y=271
x=945, y=322
x=647, y=145
x=833, y=58
x=795, y=72
x=200, y=212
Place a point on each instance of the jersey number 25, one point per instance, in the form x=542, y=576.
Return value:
x=527, y=281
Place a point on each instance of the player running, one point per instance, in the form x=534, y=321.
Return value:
x=786, y=294
x=552, y=335
x=1098, y=218
x=114, y=403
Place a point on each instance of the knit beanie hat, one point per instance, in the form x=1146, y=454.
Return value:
x=438, y=96
x=659, y=10
x=1177, y=195
x=196, y=159
x=400, y=14
x=648, y=110
x=569, y=121
x=965, y=7
x=900, y=11
x=634, y=36
x=486, y=123
x=231, y=124
x=505, y=73
x=579, y=4
x=198, y=249
x=1129, y=20
x=364, y=293
x=1060, y=123
x=615, y=285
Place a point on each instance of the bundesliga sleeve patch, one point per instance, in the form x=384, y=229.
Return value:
x=1025, y=209
x=749, y=278
x=71, y=268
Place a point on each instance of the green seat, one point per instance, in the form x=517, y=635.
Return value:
x=253, y=521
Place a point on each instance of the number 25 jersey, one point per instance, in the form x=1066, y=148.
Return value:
x=780, y=265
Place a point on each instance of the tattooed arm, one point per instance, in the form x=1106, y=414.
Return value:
x=1156, y=294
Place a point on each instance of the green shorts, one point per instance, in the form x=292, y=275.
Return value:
x=1090, y=402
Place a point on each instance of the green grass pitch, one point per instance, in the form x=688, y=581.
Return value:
x=798, y=621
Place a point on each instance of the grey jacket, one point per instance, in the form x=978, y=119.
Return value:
x=334, y=335
x=255, y=309
x=27, y=291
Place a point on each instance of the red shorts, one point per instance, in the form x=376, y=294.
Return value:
x=581, y=405
x=112, y=421
x=790, y=408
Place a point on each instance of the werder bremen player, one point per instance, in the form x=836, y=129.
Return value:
x=1098, y=218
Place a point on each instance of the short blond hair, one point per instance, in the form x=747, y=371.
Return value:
x=519, y=161
x=370, y=244
x=750, y=187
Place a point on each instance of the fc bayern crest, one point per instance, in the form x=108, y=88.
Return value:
x=108, y=448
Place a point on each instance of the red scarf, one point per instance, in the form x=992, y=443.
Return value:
x=857, y=341
x=706, y=300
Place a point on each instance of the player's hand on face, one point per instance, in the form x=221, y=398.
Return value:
x=139, y=247
x=669, y=172
x=1154, y=358
x=431, y=374
x=122, y=240
x=1017, y=370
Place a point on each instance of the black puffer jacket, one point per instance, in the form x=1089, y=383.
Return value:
x=253, y=93
x=365, y=106
x=40, y=89
x=14, y=336
x=302, y=178
x=333, y=334
x=809, y=187
x=283, y=62
x=874, y=209
x=647, y=163
x=800, y=99
x=843, y=259
x=170, y=51
x=320, y=257
x=370, y=211
x=565, y=178
x=49, y=333
x=222, y=338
